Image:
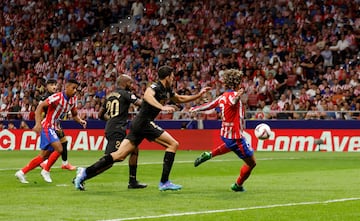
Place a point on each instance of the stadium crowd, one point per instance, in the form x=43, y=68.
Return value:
x=296, y=55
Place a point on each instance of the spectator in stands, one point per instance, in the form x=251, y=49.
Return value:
x=11, y=125
x=137, y=10
x=15, y=110
x=200, y=42
x=313, y=113
x=32, y=112
x=24, y=125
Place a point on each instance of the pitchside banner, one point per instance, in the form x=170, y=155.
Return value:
x=334, y=140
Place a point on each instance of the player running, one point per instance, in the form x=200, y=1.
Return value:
x=233, y=115
x=57, y=104
x=51, y=87
x=116, y=111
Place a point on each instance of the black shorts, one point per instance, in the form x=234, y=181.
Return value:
x=60, y=133
x=114, y=140
x=143, y=129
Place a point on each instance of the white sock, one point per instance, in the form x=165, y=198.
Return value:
x=65, y=162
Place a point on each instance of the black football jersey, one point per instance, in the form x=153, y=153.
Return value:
x=43, y=98
x=117, y=109
x=162, y=95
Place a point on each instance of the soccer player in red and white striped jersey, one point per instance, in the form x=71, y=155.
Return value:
x=233, y=115
x=57, y=104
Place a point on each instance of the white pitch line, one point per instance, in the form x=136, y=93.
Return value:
x=234, y=209
x=177, y=162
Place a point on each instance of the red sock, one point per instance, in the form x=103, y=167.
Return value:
x=244, y=174
x=52, y=159
x=222, y=149
x=35, y=162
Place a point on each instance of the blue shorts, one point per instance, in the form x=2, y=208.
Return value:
x=239, y=146
x=47, y=137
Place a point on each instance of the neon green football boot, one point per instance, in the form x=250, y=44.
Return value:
x=202, y=158
x=235, y=187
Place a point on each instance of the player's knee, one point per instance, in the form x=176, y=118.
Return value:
x=59, y=151
x=173, y=146
x=176, y=144
x=118, y=156
x=252, y=165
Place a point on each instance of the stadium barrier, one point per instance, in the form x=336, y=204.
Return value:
x=317, y=135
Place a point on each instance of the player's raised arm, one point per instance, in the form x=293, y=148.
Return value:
x=187, y=98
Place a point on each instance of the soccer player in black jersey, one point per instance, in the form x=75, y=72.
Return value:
x=115, y=111
x=155, y=98
x=51, y=88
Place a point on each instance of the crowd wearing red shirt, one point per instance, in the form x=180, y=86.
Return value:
x=296, y=55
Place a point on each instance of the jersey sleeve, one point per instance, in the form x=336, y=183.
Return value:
x=53, y=99
x=208, y=106
x=132, y=98
x=74, y=107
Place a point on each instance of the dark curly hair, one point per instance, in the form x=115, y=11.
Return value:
x=232, y=78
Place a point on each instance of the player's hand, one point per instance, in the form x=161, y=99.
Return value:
x=37, y=128
x=83, y=123
x=204, y=90
x=168, y=109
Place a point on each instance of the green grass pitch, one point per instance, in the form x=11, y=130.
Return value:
x=317, y=186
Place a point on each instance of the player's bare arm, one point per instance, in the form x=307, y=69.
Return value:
x=78, y=119
x=187, y=98
x=149, y=96
x=38, y=116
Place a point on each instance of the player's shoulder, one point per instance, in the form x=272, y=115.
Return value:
x=155, y=85
x=114, y=94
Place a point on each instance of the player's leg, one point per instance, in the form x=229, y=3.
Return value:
x=103, y=164
x=64, y=155
x=114, y=141
x=171, y=145
x=45, y=172
x=219, y=150
x=246, y=153
x=35, y=162
x=133, y=162
x=46, y=139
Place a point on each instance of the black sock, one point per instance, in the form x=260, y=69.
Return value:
x=64, y=152
x=132, y=173
x=100, y=166
x=167, y=165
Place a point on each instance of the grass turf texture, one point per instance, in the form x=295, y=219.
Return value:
x=283, y=186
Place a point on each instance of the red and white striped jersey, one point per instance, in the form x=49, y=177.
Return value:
x=59, y=105
x=233, y=114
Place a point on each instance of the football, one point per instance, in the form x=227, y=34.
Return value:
x=262, y=131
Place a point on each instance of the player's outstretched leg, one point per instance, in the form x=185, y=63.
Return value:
x=237, y=188
x=168, y=185
x=21, y=177
x=79, y=179
x=202, y=158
